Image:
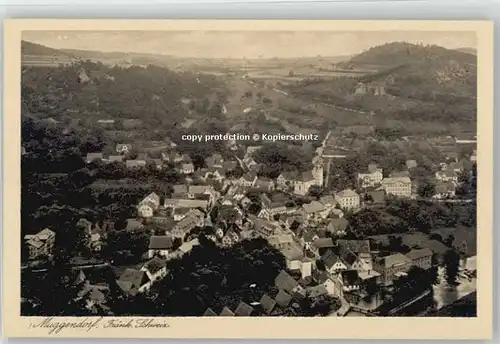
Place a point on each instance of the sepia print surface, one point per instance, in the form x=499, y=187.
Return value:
x=220, y=172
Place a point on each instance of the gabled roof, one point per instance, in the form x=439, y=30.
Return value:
x=159, y=242
x=226, y=312
x=328, y=200
x=155, y=265
x=209, y=313
x=329, y=259
x=283, y=298
x=285, y=282
x=323, y=243
x=243, y=310
x=395, y=260
x=317, y=291
x=313, y=207
x=306, y=176
x=396, y=180
x=420, y=253
x=267, y=303
x=132, y=278
x=348, y=257
x=346, y=193
x=356, y=246
x=94, y=156
x=336, y=225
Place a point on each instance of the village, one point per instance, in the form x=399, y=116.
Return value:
x=297, y=213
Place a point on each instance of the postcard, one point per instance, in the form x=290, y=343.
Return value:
x=248, y=179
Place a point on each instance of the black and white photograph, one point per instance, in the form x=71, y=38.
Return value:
x=247, y=173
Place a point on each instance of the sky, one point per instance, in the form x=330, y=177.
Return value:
x=238, y=44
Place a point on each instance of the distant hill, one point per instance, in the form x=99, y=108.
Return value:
x=29, y=48
x=404, y=82
x=398, y=53
x=418, y=71
x=467, y=50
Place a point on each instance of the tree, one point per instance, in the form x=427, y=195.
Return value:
x=314, y=191
x=426, y=188
x=451, y=261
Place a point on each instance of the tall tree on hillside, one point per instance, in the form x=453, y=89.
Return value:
x=451, y=262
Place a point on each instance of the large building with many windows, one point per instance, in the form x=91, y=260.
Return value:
x=397, y=186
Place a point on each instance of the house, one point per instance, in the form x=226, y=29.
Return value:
x=40, y=244
x=155, y=269
x=229, y=215
x=444, y=190
x=148, y=205
x=243, y=310
x=123, y=148
x=135, y=163
x=91, y=157
x=115, y=158
x=306, y=269
x=216, y=160
x=337, y=226
x=264, y=184
x=315, y=210
x=347, y=199
x=133, y=225
x=133, y=282
x=411, y=164
x=194, y=218
x=230, y=238
x=172, y=157
x=421, y=258
x=397, y=186
x=337, y=213
x=248, y=179
x=322, y=243
x=349, y=280
x=370, y=178
x=159, y=245
x=447, y=175
x=188, y=246
x=328, y=201
x=316, y=291
x=180, y=213
x=267, y=303
x=175, y=203
x=332, y=262
x=392, y=265
x=286, y=180
x=187, y=168
x=263, y=226
x=304, y=183
x=281, y=241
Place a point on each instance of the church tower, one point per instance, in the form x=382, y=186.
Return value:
x=318, y=171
